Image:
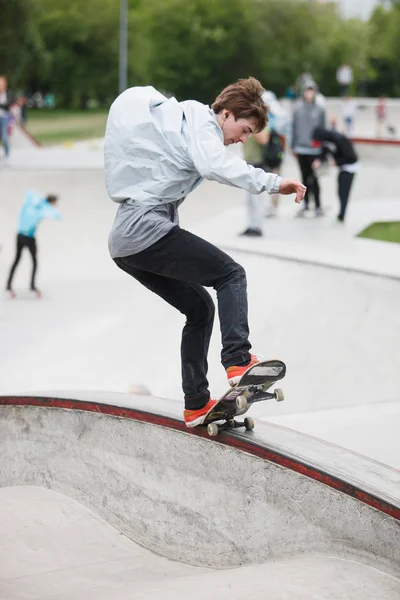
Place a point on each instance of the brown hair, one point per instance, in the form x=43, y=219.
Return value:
x=244, y=100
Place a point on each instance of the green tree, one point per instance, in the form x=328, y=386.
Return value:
x=192, y=48
x=295, y=36
x=385, y=49
x=82, y=39
x=21, y=48
x=197, y=47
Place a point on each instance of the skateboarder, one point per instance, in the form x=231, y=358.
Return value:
x=33, y=211
x=157, y=150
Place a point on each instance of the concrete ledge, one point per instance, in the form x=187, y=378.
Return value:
x=330, y=258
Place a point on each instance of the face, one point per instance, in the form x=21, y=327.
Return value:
x=309, y=95
x=3, y=84
x=235, y=130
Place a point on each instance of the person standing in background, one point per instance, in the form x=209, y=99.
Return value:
x=344, y=77
x=33, y=211
x=381, y=115
x=6, y=100
x=308, y=115
x=301, y=81
x=262, y=150
x=265, y=150
x=274, y=150
x=349, y=110
x=253, y=153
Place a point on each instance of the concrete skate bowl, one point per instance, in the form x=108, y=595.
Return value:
x=240, y=499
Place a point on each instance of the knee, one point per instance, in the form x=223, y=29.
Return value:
x=233, y=274
x=237, y=273
x=202, y=312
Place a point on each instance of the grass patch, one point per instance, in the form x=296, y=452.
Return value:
x=60, y=126
x=385, y=232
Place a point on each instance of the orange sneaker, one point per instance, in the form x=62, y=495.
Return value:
x=235, y=373
x=193, y=418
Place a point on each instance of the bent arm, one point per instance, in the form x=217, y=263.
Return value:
x=49, y=212
x=213, y=161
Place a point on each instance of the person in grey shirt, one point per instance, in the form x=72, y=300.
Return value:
x=157, y=150
x=308, y=114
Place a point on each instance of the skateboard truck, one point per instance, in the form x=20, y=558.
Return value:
x=253, y=386
x=241, y=403
x=214, y=429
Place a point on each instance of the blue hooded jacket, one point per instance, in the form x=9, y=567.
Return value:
x=33, y=211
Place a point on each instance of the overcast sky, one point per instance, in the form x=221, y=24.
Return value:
x=357, y=8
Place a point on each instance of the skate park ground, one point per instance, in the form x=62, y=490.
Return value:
x=320, y=298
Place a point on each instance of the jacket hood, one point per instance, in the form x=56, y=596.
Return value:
x=322, y=134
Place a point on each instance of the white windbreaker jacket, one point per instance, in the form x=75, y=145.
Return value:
x=157, y=150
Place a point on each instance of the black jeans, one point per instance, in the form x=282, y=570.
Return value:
x=24, y=241
x=345, y=181
x=309, y=178
x=176, y=268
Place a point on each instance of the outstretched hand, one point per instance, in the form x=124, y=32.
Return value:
x=291, y=186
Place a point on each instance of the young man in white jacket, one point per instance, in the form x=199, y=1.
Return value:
x=157, y=150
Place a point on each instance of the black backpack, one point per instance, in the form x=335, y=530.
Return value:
x=273, y=150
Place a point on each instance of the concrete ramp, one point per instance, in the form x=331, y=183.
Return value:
x=52, y=548
x=245, y=498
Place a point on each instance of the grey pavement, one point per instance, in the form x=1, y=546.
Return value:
x=25, y=154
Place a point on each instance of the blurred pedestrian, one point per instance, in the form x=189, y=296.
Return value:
x=344, y=77
x=20, y=109
x=308, y=115
x=33, y=211
x=265, y=150
x=301, y=82
x=262, y=150
x=274, y=149
x=381, y=115
x=341, y=149
x=6, y=101
x=253, y=153
x=290, y=92
x=348, y=110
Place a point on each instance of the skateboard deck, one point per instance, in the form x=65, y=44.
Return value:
x=252, y=387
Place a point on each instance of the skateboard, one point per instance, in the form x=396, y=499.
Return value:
x=252, y=387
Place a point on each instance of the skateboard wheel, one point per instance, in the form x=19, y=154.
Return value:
x=249, y=423
x=212, y=429
x=279, y=395
x=241, y=402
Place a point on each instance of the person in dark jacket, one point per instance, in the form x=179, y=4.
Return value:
x=341, y=149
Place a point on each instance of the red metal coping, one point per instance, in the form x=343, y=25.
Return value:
x=375, y=141
x=248, y=446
